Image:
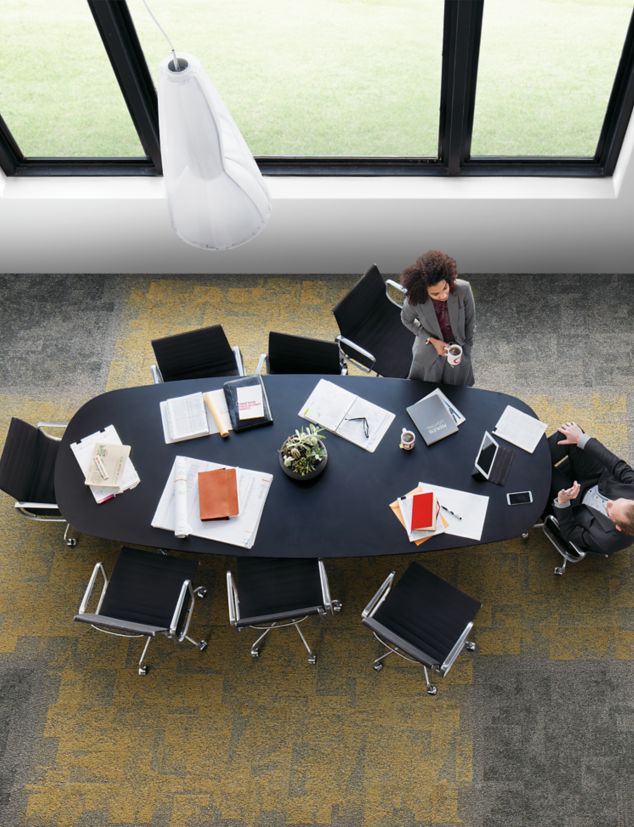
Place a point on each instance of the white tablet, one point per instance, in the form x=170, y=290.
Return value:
x=486, y=455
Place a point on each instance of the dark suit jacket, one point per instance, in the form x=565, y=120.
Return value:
x=587, y=528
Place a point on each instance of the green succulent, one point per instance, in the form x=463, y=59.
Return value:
x=304, y=450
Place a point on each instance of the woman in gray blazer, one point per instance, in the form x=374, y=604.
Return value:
x=439, y=309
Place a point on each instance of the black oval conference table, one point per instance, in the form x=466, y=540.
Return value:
x=343, y=513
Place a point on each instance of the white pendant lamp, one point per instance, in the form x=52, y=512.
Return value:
x=216, y=194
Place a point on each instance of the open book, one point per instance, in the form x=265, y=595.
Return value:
x=187, y=417
x=347, y=415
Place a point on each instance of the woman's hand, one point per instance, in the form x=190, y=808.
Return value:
x=439, y=346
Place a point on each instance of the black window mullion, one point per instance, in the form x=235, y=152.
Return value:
x=10, y=155
x=128, y=62
x=461, y=49
x=619, y=108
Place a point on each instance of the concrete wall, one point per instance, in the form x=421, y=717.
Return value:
x=330, y=225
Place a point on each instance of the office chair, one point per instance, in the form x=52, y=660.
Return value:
x=570, y=552
x=27, y=469
x=270, y=593
x=148, y=594
x=372, y=335
x=197, y=354
x=299, y=354
x=423, y=619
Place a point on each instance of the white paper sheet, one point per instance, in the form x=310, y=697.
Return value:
x=181, y=522
x=253, y=488
x=520, y=428
x=471, y=507
x=457, y=417
x=83, y=454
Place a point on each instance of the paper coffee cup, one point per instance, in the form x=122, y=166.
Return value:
x=454, y=355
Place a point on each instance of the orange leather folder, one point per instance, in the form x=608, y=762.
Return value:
x=218, y=494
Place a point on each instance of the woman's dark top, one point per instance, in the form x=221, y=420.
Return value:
x=442, y=314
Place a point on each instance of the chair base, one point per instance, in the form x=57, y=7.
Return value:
x=259, y=643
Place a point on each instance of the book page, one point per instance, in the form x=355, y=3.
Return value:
x=327, y=405
x=365, y=424
x=186, y=417
x=520, y=428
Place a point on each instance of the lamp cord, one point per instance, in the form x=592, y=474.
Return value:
x=164, y=33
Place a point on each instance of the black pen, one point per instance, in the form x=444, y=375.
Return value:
x=457, y=516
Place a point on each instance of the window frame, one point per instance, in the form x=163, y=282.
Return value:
x=462, y=28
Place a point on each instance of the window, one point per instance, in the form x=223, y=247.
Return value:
x=545, y=75
x=353, y=87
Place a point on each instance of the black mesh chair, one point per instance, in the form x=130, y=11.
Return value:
x=27, y=469
x=570, y=552
x=197, y=354
x=148, y=594
x=423, y=619
x=299, y=354
x=270, y=593
x=371, y=332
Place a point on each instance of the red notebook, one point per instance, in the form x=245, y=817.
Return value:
x=424, y=510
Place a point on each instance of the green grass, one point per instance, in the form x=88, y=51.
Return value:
x=320, y=77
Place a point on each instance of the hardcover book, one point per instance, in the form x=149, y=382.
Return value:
x=218, y=494
x=247, y=402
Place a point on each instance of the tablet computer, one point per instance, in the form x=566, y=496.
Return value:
x=486, y=455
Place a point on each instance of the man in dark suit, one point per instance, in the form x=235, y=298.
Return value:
x=598, y=512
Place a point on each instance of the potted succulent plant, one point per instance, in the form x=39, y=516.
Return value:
x=303, y=455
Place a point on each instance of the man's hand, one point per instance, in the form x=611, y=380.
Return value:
x=571, y=431
x=567, y=494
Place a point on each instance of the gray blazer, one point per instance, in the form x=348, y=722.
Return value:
x=421, y=320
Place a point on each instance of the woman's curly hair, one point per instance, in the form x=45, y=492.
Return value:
x=428, y=269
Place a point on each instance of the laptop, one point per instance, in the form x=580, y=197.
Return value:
x=493, y=460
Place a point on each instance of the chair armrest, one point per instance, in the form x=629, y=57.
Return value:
x=325, y=587
x=126, y=626
x=395, y=292
x=26, y=508
x=260, y=364
x=186, y=589
x=157, y=376
x=553, y=534
x=98, y=569
x=380, y=596
x=458, y=646
x=43, y=425
x=232, y=600
x=239, y=361
x=365, y=354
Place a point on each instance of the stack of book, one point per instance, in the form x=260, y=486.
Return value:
x=418, y=512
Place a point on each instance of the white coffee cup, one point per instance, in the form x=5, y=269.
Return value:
x=454, y=355
x=408, y=440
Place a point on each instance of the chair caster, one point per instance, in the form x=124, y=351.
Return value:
x=431, y=690
x=377, y=667
x=71, y=542
x=143, y=670
x=201, y=592
x=470, y=646
x=312, y=659
x=559, y=570
x=202, y=645
x=524, y=535
x=336, y=605
x=255, y=653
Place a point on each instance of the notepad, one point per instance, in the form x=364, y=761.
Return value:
x=107, y=464
x=424, y=511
